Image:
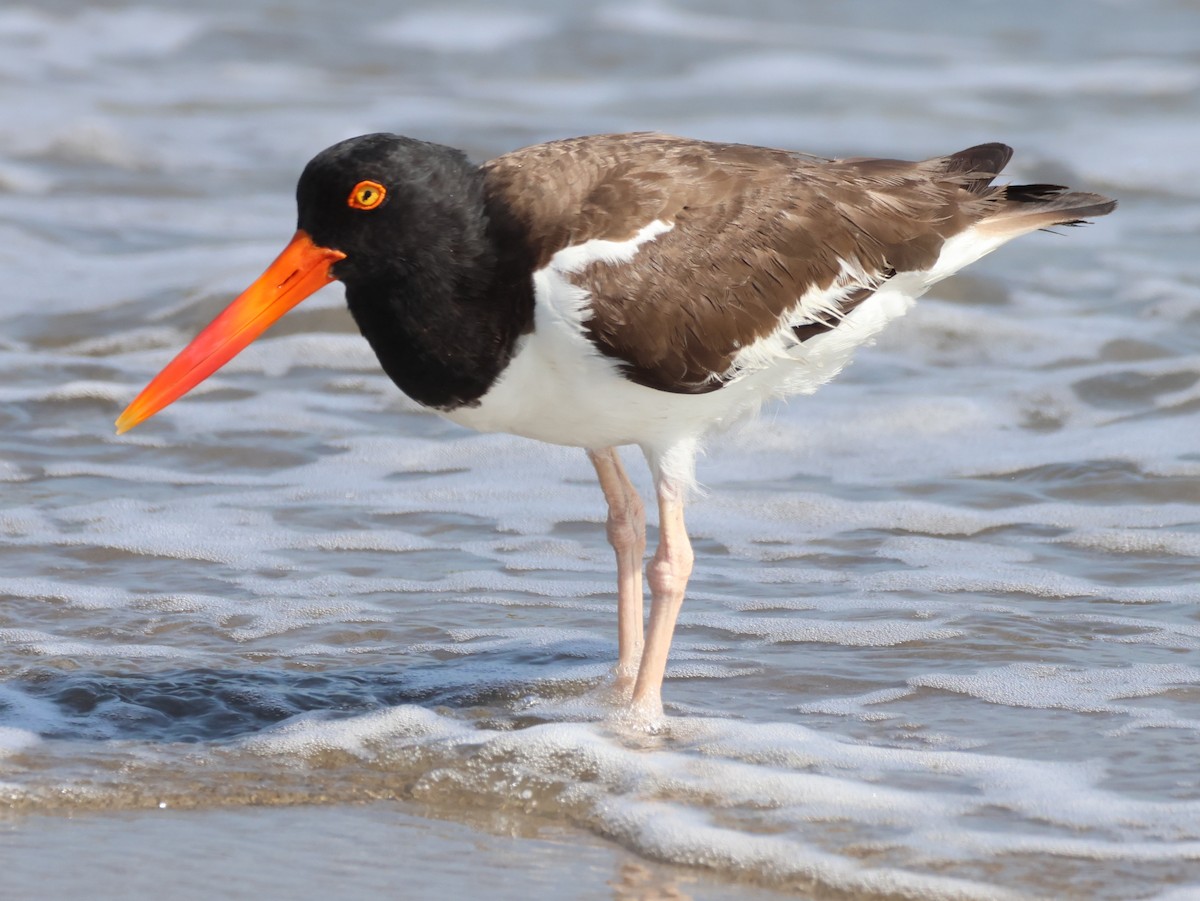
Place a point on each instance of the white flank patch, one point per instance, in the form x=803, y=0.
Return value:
x=818, y=359
x=560, y=389
x=964, y=249
x=598, y=250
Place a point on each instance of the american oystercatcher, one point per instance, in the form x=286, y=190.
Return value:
x=622, y=289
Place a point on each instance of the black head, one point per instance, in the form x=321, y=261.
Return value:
x=405, y=225
x=388, y=202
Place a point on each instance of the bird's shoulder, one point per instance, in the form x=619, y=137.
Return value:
x=610, y=186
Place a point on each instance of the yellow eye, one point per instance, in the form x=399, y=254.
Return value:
x=367, y=195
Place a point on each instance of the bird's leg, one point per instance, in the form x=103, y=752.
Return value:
x=668, y=575
x=627, y=534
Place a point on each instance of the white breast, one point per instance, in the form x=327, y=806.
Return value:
x=560, y=389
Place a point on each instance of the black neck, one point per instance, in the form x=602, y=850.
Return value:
x=445, y=317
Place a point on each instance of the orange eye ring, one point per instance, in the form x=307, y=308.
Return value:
x=366, y=195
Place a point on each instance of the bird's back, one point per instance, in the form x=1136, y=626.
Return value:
x=755, y=251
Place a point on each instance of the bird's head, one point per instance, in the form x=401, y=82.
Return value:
x=360, y=203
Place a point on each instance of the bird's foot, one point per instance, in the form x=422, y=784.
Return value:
x=616, y=689
x=644, y=716
x=647, y=709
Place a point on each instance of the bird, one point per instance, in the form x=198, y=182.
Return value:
x=624, y=289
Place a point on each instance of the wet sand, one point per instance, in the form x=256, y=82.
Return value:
x=324, y=853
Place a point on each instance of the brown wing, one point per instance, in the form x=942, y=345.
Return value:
x=753, y=230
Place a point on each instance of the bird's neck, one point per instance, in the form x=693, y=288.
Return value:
x=445, y=320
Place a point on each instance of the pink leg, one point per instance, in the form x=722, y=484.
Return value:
x=668, y=575
x=627, y=535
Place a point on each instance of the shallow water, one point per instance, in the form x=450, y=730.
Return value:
x=942, y=636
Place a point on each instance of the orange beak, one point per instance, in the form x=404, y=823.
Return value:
x=300, y=270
